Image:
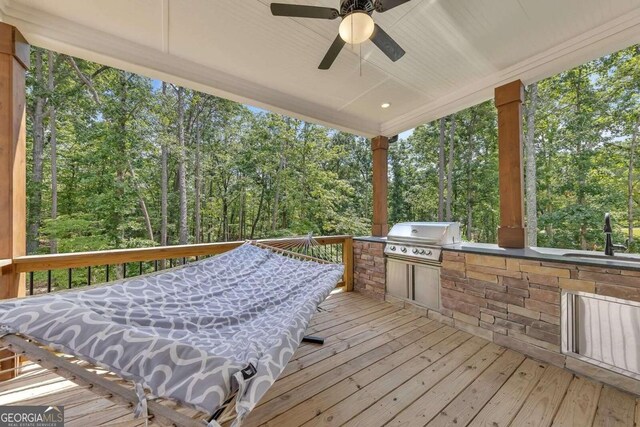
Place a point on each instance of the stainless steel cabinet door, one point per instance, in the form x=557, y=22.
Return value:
x=608, y=332
x=397, y=279
x=426, y=286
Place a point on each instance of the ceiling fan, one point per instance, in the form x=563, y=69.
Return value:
x=356, y=27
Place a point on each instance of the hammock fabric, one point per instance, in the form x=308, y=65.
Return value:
x=195, y=334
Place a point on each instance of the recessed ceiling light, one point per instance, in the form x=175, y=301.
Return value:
x=385, y=105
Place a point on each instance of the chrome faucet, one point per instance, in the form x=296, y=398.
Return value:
x=609, y=247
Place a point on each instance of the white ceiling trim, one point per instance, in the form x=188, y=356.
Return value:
x=52, y=32
x=610, y=37
x=49, y=31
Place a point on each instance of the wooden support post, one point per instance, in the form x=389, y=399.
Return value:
x=508, y=100
x=347, y=261
x=14, y=61
x=379, y=147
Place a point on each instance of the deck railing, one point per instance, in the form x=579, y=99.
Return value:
x=48, y=273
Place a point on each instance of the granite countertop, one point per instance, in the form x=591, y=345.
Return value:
x=567, y=256
x=371, y=239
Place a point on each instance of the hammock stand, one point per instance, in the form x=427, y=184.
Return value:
x=110, y=386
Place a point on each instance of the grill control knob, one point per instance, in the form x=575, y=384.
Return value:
x=428, y=253
x=415, y=251
x=423, y=252
x=393, y=248
x=404, y=250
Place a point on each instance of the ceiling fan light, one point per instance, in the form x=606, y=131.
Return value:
x=356, y=27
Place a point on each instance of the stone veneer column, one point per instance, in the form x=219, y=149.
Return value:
x=369, y=268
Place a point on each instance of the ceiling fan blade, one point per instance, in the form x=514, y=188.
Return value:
x=298, y=11
x=384, y=5
x=386, y=44
x=332, y=53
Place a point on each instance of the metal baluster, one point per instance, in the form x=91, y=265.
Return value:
x=88, y=276
x=69, y=274
x=31, y=283
x=124, y=270
x=155, y=265
x=171, y=263
x=48, y=280
x=108, y=272
x=141, y=268
x=184, y=260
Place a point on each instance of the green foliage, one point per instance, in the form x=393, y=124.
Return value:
x=262, y=175
x=414, y=174
x=259, y=174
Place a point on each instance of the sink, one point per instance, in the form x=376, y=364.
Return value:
x=604, y=257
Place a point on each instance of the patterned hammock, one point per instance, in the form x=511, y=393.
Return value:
x=196, y=334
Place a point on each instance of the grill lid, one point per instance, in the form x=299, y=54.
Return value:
x=430, y=233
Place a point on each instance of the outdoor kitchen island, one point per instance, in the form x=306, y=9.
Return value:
x=571, y=308
x=524, y=299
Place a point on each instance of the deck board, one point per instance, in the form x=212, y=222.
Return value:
x=303, y=403
x=506, y=403
x=543, y=402
x=579, y=405
x=383, y=365
x=374, y=384
x=615, y=409
x=386, y=408
x=469, y=402
x=422, y=410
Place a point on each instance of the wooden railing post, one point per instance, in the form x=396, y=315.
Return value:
x=14, y=61
x=347, y=260
x=508, y=100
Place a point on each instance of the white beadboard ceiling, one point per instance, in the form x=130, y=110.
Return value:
x=458, y=51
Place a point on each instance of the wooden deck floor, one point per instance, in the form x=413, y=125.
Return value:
x=381, y=365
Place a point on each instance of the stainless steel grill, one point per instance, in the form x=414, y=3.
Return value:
x=414, y=255
x=421, y=241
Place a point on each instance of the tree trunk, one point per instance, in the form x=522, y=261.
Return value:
x=225, y=219
x=257, y=218
x=469, y=161
x=530, y=158
x=452, y=133
x=164, y=196
x=35, y=207
x=549, y=230
x=121, y=147
x=182, y=174
x=241, y=213
x=141, y=202
x=632, y=149
x=276, y=197
x=53, y=144
x=580, y=166
x=441, y=167
x=164, y=184
x=198, y=189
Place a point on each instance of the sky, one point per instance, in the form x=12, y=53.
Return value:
x=406, y=134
